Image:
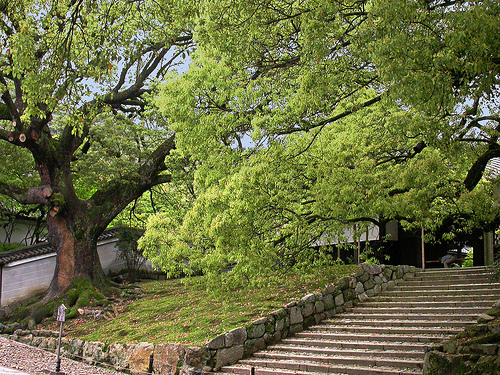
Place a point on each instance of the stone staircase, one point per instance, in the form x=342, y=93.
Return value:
x=387, y=334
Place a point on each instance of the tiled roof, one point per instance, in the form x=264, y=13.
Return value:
x=43, y=248
x=26, y=252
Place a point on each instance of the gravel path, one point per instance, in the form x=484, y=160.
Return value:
x=35, y=361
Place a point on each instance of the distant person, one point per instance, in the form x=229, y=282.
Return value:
x=448, y=259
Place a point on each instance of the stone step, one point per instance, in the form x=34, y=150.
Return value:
x=388, y=334
x=364, y=337
x=483, y=304
x=443, y=273
x=340, y=360
x=245, y=369
x=342, y=344
x=411, y=316
x=341, y=320
x=443, y=290
x=363, y=352
x=455, y=270
x=309, y=367
x=456, y=283
x=482, y=276
x=361, y=309
x=471, y=298
x=369, y=329
x=431, y=285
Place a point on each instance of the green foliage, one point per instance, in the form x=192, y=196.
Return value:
x=469, y=259
x=82, y=294
x=9, y=246
x=304, y=116
x=128, y=251
x=75, y=83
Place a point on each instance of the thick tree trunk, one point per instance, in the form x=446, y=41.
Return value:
x=77, y=256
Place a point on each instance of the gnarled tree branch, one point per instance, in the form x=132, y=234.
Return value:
x=35, y=195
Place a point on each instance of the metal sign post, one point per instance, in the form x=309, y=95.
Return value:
x=61, y=317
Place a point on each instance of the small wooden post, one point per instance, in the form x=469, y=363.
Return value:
x=61, y=318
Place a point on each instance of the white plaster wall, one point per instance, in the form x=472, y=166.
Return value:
x=18, y=235
x=108, y=257
x=26, y=278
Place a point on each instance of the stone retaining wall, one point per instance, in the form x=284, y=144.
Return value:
x=228, y=348
x=476, y=350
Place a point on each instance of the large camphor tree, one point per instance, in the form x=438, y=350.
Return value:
x=311, y=116
x=74, y=79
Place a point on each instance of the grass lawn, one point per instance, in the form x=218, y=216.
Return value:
x=183, y=311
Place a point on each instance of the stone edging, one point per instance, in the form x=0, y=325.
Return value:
x=230, y=347
x=475, y=350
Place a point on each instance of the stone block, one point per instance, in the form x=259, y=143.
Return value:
x=310, y=298
x=52, y=343
x=374, y=269
x=93, y=352
x=307, y=309
x=343, y=283
x=255, y=330
x=329, y=288
x=319, y=317
x=387, y=273
x=339, y=300
x=349, y=295
x=359, y=288
x=279, y=314
x=449, y=346
x=363, y=277
x=352, y=282
x=168, y=358
x=370, y=284
x=118, y=355
x=279, y=325
x=399, y=272
x=218, y=343
x=296, y=328
x=363, y=297
x=269, y=325
x=319, y=307
x=485, y=349
x=196, y=356
x=236, y=336
x=75, y=347
x=139, y=357
x=485, y=318
x=329, y=302
x=309, y=321
x=494, y=311
x=330, y=314
x=253, y=345
x=295, y=315
x=228, y=356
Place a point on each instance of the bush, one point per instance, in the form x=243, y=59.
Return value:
x=9, y=246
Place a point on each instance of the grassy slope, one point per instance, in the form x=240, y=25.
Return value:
x=184, y=312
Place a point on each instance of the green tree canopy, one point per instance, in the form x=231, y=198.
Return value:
x=74, y=83
x=305, y=115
